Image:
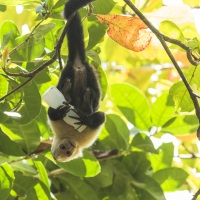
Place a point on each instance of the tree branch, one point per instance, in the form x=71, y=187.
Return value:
x=196, y=195
x=162, y=40
x=32, y=74
x=183, y=46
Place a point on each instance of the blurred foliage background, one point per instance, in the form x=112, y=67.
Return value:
x=148, y=148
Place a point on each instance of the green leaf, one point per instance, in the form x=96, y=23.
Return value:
x=4, y=106
x=181, y=125
x=3, y=86
x=57, y=9
x=30, y=187
x=193, y=43
x=63, y=195
x=104, y=178
x=143, y=142
x=23, y=167
x=44, y=29
x=181, y=97
x=102, y=78
x=8, y=33
x=6, y=39
x=92, y=164
x=32, y=104
x=133, y=104
x=49, y=4
x=150, y=186
x=43, y=125
x=59, y=3
x=96, y=33
x=18, y=2
x=77, y=188
x=42, y=173
x=122, y=179
x=9, y=147
x=137, y=163
x=28, y=135
x=41, y=77
x=32, y=99
x=193, y=75
x=170, y=179
x=162, y=110
x=29, y=50
x=3, y=8
x=6, y=180
x=128, y=192
x=88, y=166
x=96, y=61
x=164, y=158
x=118, y=131
x=103, y=6
x=170, y=29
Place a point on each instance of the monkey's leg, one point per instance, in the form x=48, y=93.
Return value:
x=90, y=100
x=79, y=86
x=66, y=90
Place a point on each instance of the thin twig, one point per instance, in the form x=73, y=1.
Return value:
x=33, y=74
x=189, y=151
x=14, y=90
x=183, y=46
x=162, y=39
x=196, y=195
x=27, y=39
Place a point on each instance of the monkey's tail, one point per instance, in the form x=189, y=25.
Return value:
x=75, y=30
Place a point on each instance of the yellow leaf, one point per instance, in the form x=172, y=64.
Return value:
x=129, y=32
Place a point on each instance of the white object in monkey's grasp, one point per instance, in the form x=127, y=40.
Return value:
x=54, y=98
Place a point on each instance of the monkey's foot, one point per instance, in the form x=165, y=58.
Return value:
x=66, y=90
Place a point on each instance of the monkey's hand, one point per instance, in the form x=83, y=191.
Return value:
x=93, y=121
x=63, y=109
x=60, y=112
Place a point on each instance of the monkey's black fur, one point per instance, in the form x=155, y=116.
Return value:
x=78, y=81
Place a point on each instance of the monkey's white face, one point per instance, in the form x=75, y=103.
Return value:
x=65, y=149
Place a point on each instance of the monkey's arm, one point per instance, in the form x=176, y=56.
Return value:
x=60, y=112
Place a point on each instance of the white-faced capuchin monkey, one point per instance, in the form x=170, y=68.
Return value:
x=79, y=85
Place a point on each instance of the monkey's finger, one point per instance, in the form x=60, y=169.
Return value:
x=74, y=110
x=77, y=118
x=78, y=123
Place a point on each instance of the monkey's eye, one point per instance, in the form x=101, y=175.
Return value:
x=62, y=147
x=68, y=153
